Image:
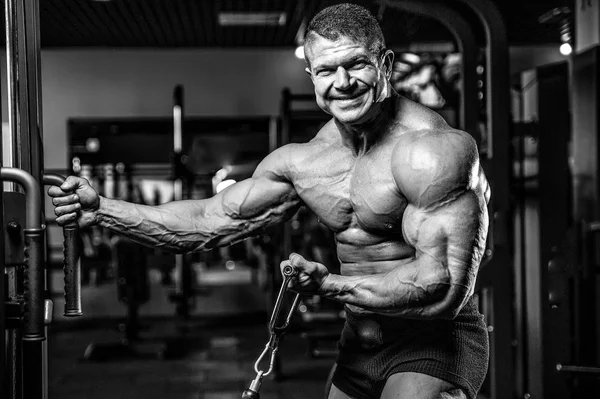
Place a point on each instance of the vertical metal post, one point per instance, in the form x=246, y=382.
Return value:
x=3, y=294
x=286, y=99
x=14, y=152
x=499, y=270
x=555, y=218
x=183, y=277
x=585, y=79
x=13, y=366
x=25, y=121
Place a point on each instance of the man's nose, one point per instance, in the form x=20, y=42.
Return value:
x=343, y=80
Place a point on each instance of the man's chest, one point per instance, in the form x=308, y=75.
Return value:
x=346, y=191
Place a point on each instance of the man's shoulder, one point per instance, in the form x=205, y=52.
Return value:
x=429, y=163
x=287, y=159
x=440, y=141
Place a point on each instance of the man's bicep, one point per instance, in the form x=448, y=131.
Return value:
x=247, y=208
x=449, y=241
x=242, y=210
x=268, y=194
x=257, y=199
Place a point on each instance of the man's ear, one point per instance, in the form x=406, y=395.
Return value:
x=388, y=62
x=307, y=70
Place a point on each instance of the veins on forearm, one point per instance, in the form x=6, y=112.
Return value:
x=155, y=227
x=406, y=292
x=184, y=229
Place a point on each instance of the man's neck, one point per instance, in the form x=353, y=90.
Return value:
x=361, y=137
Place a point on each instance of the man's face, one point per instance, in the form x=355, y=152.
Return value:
x=348, y=79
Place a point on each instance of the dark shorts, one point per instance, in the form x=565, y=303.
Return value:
x=374, y=347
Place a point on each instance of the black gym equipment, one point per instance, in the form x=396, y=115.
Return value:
x=24, y=309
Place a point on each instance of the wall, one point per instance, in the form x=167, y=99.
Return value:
x=139, y=83
x=587, y=25
x=528, y=57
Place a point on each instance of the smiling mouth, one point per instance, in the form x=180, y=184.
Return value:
x=348, y=98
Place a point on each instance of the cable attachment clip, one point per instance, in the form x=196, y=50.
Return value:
x=275, y=334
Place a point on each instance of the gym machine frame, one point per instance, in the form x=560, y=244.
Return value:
x=584, y=72
x=558, y=287
x=24, y=310
x=494, y=285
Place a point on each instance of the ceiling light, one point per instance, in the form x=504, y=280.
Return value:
x=299, y=52
x=565, y=49
x=252, y=18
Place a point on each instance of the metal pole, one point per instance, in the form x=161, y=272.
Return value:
x=3, y=297
x=13, y=152
x=498, y=271
x=182, y=280
x=12, y=388
x=25, y=121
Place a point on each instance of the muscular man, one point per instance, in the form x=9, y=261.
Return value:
x=402, y=191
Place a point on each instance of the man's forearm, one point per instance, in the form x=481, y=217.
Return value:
x=403, y=292
x=174, y=229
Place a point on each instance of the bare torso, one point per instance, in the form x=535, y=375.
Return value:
x=355, y=195
x=357, y=198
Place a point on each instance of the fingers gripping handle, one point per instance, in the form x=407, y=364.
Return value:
x=72, y=270
x=34, y=285
x=71, y=260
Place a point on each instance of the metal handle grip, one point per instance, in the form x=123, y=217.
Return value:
x=252, y=391
x=34, y=285
x=577, y=369
x=71, y=259
x=250, y=394
x=72, y=270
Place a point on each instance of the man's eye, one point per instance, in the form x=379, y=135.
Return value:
x=359, y=65
x=324, y=72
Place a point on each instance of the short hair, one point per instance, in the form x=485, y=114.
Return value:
x=347, y=20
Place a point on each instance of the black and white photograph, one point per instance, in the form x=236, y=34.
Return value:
x=300, y=199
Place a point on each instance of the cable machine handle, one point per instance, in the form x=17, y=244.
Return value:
x=71, y=259
x=34, y=285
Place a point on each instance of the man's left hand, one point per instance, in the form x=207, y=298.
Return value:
x=310, y=277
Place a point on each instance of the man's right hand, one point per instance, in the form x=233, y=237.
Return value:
x=74, y=200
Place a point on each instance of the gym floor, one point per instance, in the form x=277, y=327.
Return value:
x=210, y=357
x=214, y=362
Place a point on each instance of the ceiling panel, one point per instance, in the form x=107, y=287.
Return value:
x=194, y=23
